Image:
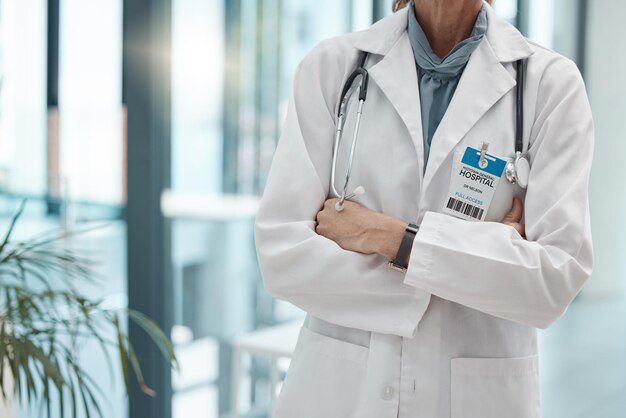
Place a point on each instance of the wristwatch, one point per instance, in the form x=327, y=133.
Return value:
x=400, y=262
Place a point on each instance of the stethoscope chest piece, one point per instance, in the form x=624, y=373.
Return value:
x=518, y=171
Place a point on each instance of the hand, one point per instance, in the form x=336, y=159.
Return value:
x=359, y=229
x=514, y=217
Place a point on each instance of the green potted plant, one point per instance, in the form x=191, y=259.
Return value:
x=44, y=318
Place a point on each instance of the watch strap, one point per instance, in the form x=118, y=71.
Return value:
x=400, y=262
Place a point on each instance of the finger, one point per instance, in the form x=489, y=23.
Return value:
x=517, y=209
x=515, y=214
x=319, y=228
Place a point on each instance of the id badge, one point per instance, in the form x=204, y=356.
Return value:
x=473, y=184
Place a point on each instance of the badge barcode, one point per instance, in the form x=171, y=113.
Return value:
x=465, y=208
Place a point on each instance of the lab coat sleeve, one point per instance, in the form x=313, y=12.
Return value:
x=298, y=265
x=488, y=266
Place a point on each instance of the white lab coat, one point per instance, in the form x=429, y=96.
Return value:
x=454, y=336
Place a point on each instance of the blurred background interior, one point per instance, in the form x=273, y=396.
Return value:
x=160, y=117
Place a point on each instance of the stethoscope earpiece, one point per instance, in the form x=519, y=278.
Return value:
x=357, y=192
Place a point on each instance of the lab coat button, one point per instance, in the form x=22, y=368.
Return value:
x=387, y=392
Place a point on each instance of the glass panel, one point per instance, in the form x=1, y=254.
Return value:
x=88, y=163
x=506, y=9
x=362, y=14
x=593, y=328
x=92, y=162
x=554, y=24
x=23, y=98
x=91, y=148
x=541, y=22
x=232, y=68
x=197, y=86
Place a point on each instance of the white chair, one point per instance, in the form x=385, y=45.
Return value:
x=274, y=342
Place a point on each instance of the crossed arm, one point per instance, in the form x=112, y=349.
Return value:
x=360, y=229
x=301, y=249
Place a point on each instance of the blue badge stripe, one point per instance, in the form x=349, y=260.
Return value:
x=495, y=166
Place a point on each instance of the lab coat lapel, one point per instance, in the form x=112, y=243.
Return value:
x=483, y=82
x=396, y=76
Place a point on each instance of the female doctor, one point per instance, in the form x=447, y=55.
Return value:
x=448, y=329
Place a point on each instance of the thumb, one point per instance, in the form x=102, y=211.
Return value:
x=515, y=214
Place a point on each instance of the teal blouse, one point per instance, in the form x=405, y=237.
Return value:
x=439, y=77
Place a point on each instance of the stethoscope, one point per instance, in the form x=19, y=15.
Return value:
x=516, y=171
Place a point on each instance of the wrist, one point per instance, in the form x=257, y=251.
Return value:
x=386, y=236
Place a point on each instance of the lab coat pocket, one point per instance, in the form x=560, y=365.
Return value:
x=324, y=378
x=495, y=387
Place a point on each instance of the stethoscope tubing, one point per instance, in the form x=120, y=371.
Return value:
x=347, y=90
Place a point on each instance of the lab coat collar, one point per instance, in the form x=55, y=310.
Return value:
x=507, y=42
x=483, y=82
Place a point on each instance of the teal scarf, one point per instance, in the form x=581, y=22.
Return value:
x=439, y=77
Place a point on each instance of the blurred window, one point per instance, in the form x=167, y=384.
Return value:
x=91, y=155
x=23, y=97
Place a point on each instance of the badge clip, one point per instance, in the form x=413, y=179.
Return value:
x=482, y=162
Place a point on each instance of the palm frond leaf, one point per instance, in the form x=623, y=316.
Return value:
x=44, y=319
